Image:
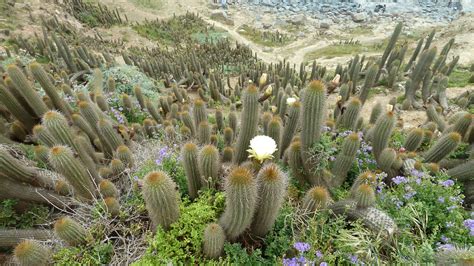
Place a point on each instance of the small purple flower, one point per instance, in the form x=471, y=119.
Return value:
x=451, y=208
x=301, y=246
x=447, y=183
x=399, y=179
x=319, y=254
x=323, y=263
x=332, y=158
x=399, y=204
x=409, y=195
x=354, y=259
x=135, y=178
x=418, y=181
x=444, y=239
x=446, y=247
x=301, y=260
x=441, y=199
x=290, y=262
x=469, y=224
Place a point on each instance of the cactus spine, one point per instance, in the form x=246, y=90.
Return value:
x=199, y=112
x=248, y=121
x=313, y=115
x=241, y=202
x=227, y=154
x=463, y=172
x=272, y=184
x=71, y=232
x=58, y=126
x=316, y=198
x=389, y=48
x=15, y=108
x=124, y=154
x=290, y=126
x=161, y=199
x=274, y=132
x=348, y=119
x=369, y=82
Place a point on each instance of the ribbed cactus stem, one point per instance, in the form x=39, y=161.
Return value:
x=87, y=156
x=272, y=183
x=138, y=93
x=59, y=128
x=227, y=154
x=30, y=252
x=316, y=198
x=376, y=112
x=462, y=124
x=290, y=126
x=199, y=112
x=27, y=90
x=345, y=159
x=188, y=121
x=414, y=139
x=387, y=159
x=228, y=136
x=16, y=108
x=13, y=237
x=82, y=124
x=161, y=199
x=109, y=134
x=42, y=77
x=112, y=206
x=348, y=120
x=391, y=44
x=213, y=241
x=204, y=133
x=16, y=190
x=124, y=154
x=295, y=161
x=108, y=189
x=89, y=114
x=443, y=147
x=274, y=132
x=191, y=167
x=248, y=123
x=209, y=163
x=41, y=154
x=369, y=82
x=381, y=132
x=71, y=232
x=219, y=120
x=463, y=172
x=241, y=202
x=14, y=169
x=63, y=161
x=313, y=115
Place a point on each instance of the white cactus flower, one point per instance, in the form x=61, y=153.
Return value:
x=262, y=148
x=263, y=79
x=336, y=79
x=269, y=90
x=389, y=107
x=290, y=101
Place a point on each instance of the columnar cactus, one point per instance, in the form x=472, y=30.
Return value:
x=241, y=202
x=290, y=126
x=41, y=154
x=209, y=163
x=248, y=123
x=16, y=108
x=227, y=154
x=272, y=183
x=414, y=139
x=189, y=155
x=443, y=147
x=58, y=126
x=89, y=114
x=30, y=252
x=274, y=132
x=387, y=159
x=117, y=166
x=348, y=120
x=228, y=136
x=87, y=157
x=26, y=90
x=199, y=112
x=70, y=231
x=376, y=112
x=266, y=117
x=138, y=93
x=463, y=172
x=42, y=77
x=188, y=121
x=125, y=155
x=233, y=121
x=112, y=206
x=161, y=199
x=316, y=198
x=462, y=124
x=108, y=133
x=391, y=44
x=295, y=161
x=219, y=120
x=63, y=161
x=313, y=115
x=381, y=132
x=213, y=241
x=369, y=82
x=345, y=159
x=82, y=124
x=204, y=133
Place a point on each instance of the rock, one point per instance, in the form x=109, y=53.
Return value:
x=358, y=17
x=297, y=20
x=266, y=25
x=324, y=25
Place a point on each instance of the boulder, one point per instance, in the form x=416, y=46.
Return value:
x=358, y=17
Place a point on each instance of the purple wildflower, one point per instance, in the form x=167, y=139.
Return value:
x=319, y=254
x=441, y=199
x=290, y=262
x=444, y=239
x=447, y=183
x=323, y=263
x=409, y=195
x=469, y=223
x=162, y=153
x=399, y=179
x=301, y=246
x=354, y=259
x=446, y=247
x=451, y=208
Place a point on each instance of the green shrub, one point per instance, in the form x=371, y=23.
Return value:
x=10, y=218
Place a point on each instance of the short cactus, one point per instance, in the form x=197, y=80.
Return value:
x=124, y=154
x=381, y=132
x=108, y=189
x=345, y=159
x=209, y=163
x=70, y=231
x=117, y=166
x=364, y=196
x=463, y=172
x=290, y=126
x=241, y=202
x=112, y=206
x=219, y=120
x=161, y=199
x=227, y=154
x=199, y=112
x=30, y=252
x=443, y=147
x=316, y=198
x=58, y=126
x=204, y=133
x=214, y=239
x=188, y=121
x=228, y=136
x=272, y=183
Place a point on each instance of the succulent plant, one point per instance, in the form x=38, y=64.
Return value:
x=248, y=123
x=414, y=139
x=70, y=231
x=316, y=198
x=189, y=154
x=443, y=147
x=30, y=252
x=213, y=241
x=209, y=163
